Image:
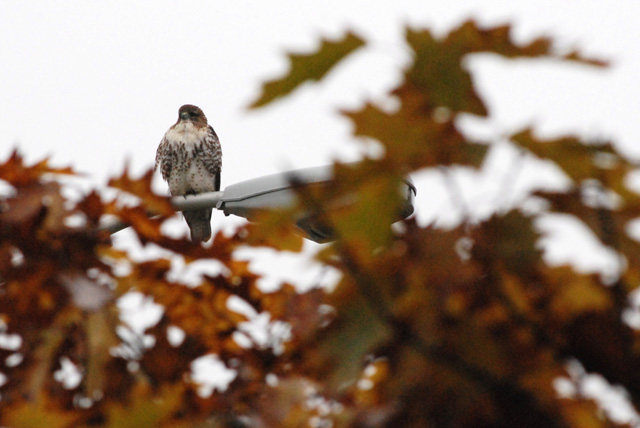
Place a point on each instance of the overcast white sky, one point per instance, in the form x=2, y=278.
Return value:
x=95, y=83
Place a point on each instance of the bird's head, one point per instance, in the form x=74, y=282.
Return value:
x=192, y=113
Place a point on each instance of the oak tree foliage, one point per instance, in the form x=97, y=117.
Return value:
x=427, y=327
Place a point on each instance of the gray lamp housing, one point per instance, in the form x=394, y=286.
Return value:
x=277, y=191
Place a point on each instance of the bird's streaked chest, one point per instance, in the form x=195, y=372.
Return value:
x=188, y=152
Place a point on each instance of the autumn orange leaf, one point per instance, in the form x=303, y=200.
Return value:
x=141, y=187
x=18, y=174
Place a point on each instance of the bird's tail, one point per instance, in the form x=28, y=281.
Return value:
x=199, y=222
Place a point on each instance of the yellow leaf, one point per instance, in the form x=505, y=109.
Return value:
x=274, y=229
x=145, y=409
x=37, y=414
x=576, y=294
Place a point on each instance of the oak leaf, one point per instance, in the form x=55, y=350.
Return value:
x=304, y=67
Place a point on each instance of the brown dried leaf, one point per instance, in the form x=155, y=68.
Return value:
x=413, y=141
x=16, y=173
x=141, y=187
x=580, y=160
x=509, y=240
x=438, y=72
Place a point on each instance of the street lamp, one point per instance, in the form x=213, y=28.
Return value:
x=273, y=191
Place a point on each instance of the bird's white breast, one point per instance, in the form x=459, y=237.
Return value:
x=187, y=134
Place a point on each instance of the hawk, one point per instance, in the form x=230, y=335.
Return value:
x=190, y=160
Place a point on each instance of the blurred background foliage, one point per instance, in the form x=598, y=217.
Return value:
x=465, y=326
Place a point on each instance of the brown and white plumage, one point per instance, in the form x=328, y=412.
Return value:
x=190, y=160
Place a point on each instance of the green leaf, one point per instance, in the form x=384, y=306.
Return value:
x=313, y=66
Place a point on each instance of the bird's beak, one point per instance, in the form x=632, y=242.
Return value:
x=184, y=115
